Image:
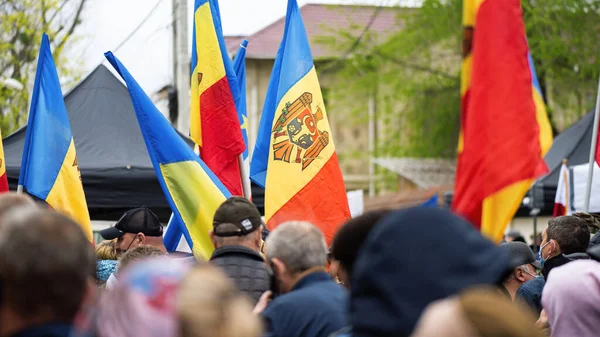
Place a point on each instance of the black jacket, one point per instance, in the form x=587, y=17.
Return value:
x=245, y=267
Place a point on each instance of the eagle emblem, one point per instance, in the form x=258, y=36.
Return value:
x=296, y=134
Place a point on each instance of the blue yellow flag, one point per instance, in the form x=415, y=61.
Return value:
x=49, y=169
x=294, y=157
x=192, y=190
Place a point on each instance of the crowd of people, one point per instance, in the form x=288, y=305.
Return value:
x=416, y=272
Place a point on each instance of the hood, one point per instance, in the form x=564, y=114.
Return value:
x=571, y=298
x=560, y=260
x=412, y=258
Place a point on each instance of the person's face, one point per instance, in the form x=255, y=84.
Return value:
x=127, y=241
x=547, y=247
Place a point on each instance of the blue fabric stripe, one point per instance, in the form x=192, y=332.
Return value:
x=48, y=134
x=292, y=63
x=534, y=79
x=239, y=65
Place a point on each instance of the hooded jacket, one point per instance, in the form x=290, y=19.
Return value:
x=412, y=258
x=571, y=299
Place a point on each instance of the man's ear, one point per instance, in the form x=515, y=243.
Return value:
x=141, y=238
x=519, y=275
x=278, y=266
x=213, y=238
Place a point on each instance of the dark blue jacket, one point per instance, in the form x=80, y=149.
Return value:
x=46, y=330
x=530, y=293
x=316, y=307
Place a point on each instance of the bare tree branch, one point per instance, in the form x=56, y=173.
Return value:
x=71, y=28
x=417, y=67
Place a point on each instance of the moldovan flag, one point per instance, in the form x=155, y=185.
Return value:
x=192, y=190
x=3, y=178
x=49, y=169
x=294, y=157
x=214, y=124
x=505, y=131
x=563, y=193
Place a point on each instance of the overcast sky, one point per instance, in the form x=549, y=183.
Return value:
x=148, y=54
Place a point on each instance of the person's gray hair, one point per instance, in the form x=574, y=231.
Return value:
x=298, y=244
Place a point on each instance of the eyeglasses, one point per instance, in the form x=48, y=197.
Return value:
x=527, y=272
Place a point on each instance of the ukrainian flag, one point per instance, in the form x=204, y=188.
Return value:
x=239, y=65
x=49, y=168
x=192, y=190
x=294, y=157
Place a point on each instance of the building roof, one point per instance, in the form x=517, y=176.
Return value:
x=320, y=20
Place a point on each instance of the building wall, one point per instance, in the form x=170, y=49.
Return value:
x=525, y=226
x=350, y=134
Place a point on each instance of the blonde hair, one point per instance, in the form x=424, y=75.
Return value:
x=106, y=250
x=210, y=305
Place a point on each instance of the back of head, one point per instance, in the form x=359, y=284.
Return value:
x=106, y=250
x=571, y=298
x=411, y=258
x=571, y=233
x=143, y=301
x=481, y=312
x=46, y=264
x=351, y=236
x=11, y=200
x=210, y=305
x=300, y=245
x=236, y=223
x=137, y=254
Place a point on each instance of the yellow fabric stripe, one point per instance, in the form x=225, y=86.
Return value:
x=500, y=207
x=288, y=177
x=196, y=198
x=67, y=196
x=210, y=66
x=543, y=122
x=470, y=8
x=2, y=161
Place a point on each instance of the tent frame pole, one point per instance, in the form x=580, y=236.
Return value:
x=588, y=189
x=246, y=188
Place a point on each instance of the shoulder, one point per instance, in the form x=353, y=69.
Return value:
x=532, y=287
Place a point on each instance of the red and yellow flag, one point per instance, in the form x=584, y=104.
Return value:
x=214, y=124
x=3, y=178
x=505, y=131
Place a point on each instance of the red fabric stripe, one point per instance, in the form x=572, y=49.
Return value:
x=222, y=140
x=501, y=135
x=559, y=210
x=322, y=202
x=598, y=149
x=3, y=183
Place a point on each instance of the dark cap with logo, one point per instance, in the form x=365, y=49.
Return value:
x=241, y=213
x=519, y=254
x=137, y=220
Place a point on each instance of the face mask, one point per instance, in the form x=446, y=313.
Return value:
x=540, y=257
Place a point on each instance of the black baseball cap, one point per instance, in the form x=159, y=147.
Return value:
x=237, y=211
x=519, y=254
x=137, y=220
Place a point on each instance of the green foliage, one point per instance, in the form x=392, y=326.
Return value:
x=414, y=71
x=22, y=23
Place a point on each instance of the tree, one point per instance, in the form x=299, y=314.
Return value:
x=22, y=24
x=415, y=71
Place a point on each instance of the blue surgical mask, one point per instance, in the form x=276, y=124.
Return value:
x=540, y=257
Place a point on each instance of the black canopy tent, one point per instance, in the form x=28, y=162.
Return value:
x=116, y=170
x=572, y=144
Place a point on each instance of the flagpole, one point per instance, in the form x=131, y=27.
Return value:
x=244, y=176
x=20, y=189
x=588, y=189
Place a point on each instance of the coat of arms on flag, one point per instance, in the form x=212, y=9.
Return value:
x=297, y=130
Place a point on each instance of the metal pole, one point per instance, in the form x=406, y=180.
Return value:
x=588, y=190
x=244, y=175
x=183, y=66
x=371, y=145
x=20, y=189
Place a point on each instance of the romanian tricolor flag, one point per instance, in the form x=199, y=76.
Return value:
x=214, y=124
x=505, y=131
x=294, y=157
x=3, y=178
x=192, y=190
x=49, y=169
